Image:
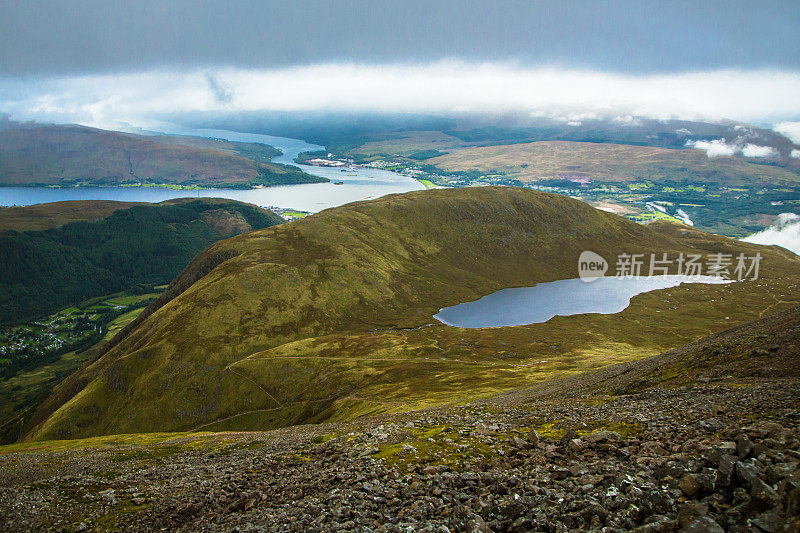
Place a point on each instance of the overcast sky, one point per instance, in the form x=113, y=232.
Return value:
x=73, y=36
x=97, y=61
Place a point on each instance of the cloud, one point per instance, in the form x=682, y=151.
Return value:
x=785, y=231
x=790, y=130
x=443, y=87
x=719, y=147
x=795, y=154
x=754, y=150
x=714, y=148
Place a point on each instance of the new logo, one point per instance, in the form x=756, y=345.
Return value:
x=591, y=266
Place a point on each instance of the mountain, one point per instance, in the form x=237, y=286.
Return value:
x=529, y=162
x=79, y=156
x=47, y=269
x=330, y=317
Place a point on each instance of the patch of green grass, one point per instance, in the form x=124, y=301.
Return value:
x=120, y=322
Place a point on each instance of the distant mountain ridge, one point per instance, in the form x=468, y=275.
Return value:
x=342, y=133
x=71, y=155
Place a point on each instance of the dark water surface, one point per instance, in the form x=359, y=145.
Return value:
x=540, y=303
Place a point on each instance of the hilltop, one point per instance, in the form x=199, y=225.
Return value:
x=330, y=317
x=71, y=155
x=38, y=217
x=714, y=452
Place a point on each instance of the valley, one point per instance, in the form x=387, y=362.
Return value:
x=61, y=260
x=36, y=356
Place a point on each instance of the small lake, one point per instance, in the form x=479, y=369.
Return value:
x=357, y=184
x=532, y=305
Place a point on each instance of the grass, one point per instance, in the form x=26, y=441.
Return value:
x=325, y=318
x=120, y=322
x=173, y=186
x=295, y=214
x=21, y=393
x=406, y=144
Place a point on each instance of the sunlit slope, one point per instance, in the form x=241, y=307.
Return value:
x=321, y=318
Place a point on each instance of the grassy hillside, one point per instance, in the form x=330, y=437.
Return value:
x=46, y=270
x=767, y=348
x=76, y=155
x=608, y=162
x=43, y=216
x=330, y=317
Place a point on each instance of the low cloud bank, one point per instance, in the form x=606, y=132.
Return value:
x=754, y=150
x=715, y=148
x=718, y=148
x=445, y=87
x=785, y=231
x=790, y=130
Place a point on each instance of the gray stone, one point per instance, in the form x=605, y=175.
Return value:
x=689, y=485
x=602, y=435
x=703, y=525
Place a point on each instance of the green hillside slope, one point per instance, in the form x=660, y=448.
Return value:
x=46, y=270
x=330, y=317
x=78, y=156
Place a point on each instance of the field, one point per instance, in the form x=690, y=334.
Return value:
x=407, y=144
x=726, y=195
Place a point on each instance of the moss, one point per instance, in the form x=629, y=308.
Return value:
x=555, y=430
x=441, y=446
x=321, y=439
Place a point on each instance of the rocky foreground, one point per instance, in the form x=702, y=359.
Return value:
x=717, y=456
x=704, y=438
